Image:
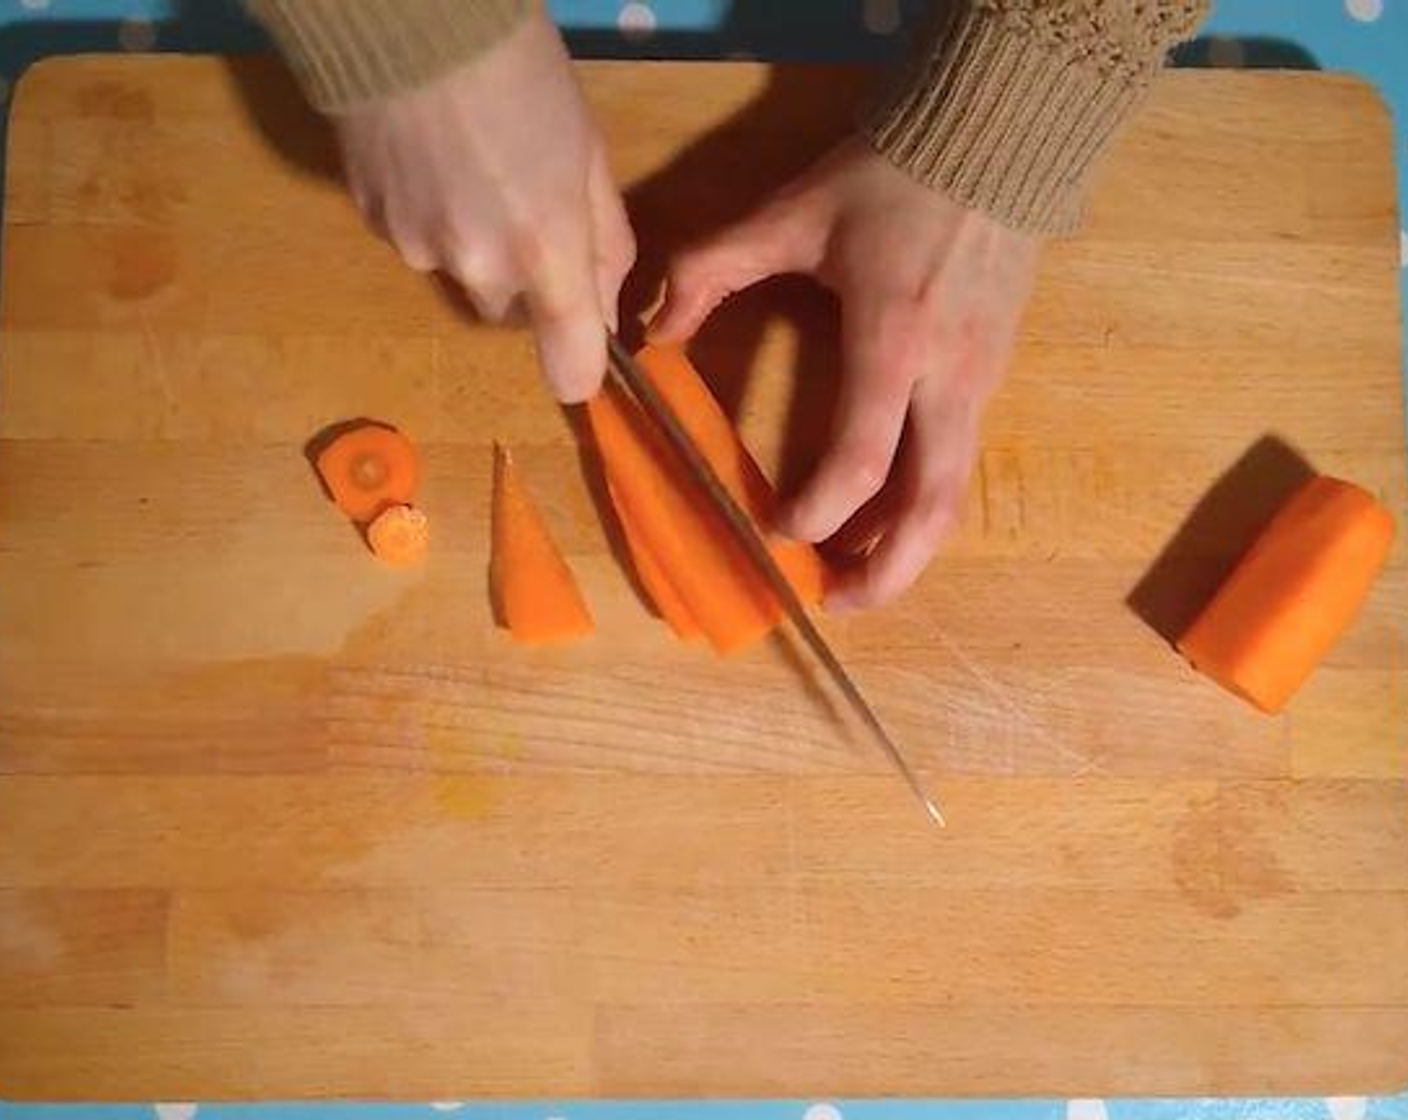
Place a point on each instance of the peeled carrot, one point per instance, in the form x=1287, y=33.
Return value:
x=703, y=564
x=687, y=394
x=534, y=592
x=399, y=536
x=1293, y=594
x=368, y=468
x=656, y=582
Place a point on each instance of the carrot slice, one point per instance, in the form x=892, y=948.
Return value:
x=687, y=539
x=658, y=586
x=368, y=468
x=673, y=522
x=687, y=394
x=1290, y=597
x=534, y=592
x=399, y=536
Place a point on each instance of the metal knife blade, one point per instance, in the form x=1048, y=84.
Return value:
x=634, y=380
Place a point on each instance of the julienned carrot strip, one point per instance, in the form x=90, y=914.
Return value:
x=534, y=592
x=702, y=562
x=663, y=595
x=368, y=468
x=676, y=379
x=1294, y=592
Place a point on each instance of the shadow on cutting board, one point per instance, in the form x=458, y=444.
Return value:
x=1214, y=536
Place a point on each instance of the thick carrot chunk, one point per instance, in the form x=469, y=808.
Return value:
x=1290, y=597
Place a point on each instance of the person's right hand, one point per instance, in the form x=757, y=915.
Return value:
x=496, y=175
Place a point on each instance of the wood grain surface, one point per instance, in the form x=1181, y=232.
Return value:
x=277, y=822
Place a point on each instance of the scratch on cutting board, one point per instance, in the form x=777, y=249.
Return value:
x=158, y=364
x=1018, y=716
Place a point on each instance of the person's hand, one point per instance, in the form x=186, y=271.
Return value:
x=930, y=297
x=495, y=175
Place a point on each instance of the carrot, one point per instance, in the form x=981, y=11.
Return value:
x=368, y=468
x=535, y=594
x=399, y=536
x=687, y=540
x=687, y=394
x=656, y=582
x=1290, y=597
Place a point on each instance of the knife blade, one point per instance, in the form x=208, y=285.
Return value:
x=634, y=381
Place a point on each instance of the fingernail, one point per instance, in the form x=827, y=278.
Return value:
x=654, y=334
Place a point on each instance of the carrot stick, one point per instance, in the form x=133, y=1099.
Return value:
x=686, y=538
x=656, y=582
x=535, y=594
x=687, y=394
x=1292, y=595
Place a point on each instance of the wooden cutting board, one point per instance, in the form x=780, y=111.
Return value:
x=276, y=822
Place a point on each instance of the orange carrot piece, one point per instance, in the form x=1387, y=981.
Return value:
x=687, y=539
x=399, y=536
x=687, y=394
x=368, y=468
x=654, y=579
x=534, y=592
x=1290, y=597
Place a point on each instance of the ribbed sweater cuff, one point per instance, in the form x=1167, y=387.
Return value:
x=350, y=51
x=1003, y=123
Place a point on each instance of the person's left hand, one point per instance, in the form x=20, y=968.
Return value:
x=930, y=295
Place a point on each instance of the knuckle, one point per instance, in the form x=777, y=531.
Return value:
x=865, y=468
x=528, y=247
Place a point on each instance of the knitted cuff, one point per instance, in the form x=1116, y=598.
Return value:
x=1003, y=122
x=345, y=52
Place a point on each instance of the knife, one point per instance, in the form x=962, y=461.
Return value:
x=634, y=381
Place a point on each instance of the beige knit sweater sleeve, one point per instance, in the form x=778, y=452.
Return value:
x=1009, y=102
x=1005, y=107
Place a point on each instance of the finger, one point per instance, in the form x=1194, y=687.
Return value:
x=858, y=536
x=486, y=279
x=884, y=345
x=613, y=242
x=413, y=247
x=939, y=451
x=565, y=309
x=780, y=238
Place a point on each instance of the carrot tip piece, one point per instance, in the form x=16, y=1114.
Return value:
x=535, y=596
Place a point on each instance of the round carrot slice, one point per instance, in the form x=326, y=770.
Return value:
x=399, y=536
x=369, y=468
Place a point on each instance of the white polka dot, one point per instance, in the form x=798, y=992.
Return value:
x=136, y=35
x=175, y=1111
x=1365, y=11
x=1403, y=248
x=881, y=17
x=1086, y=1110
x=1346, y=1108
x=1225, y=52
x=822, y=1112
x=636, y=21
x=34, y=5
x=446, y=1106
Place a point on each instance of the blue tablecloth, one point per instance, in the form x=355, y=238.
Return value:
x=1365, y=37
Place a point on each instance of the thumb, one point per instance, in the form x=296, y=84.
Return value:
x=779, y=238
